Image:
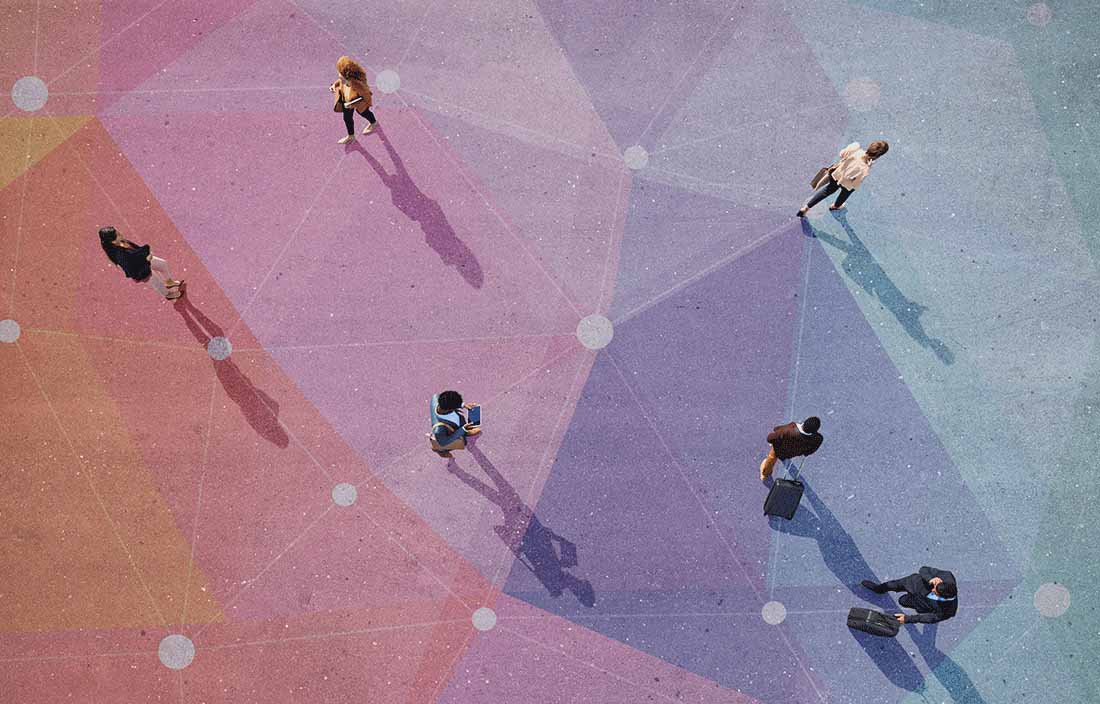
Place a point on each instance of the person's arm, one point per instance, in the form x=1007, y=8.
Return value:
x=934, y=617
x=773, y=436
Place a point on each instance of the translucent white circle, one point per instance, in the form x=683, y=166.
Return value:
x=30, y=93
x=344, y=494
x=219, y=348
x=1039, y=14
x=176, y=652
x=9, y=330
x=1051, y=599
x=595, y=332
x=388, y=81
x=774, y=613
x=862, y=94
x=636, y=157
x=484, y=619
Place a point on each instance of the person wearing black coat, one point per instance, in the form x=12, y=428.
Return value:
x=931, y=592
x=138, y=263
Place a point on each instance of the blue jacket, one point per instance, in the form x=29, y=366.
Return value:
x=441, y=429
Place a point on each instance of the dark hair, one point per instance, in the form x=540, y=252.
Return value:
x=947, y=591
x=877, y=148
x=107, y=237
x=811, y=424
x=450, y=401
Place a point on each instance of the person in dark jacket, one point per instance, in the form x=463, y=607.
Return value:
x=138, y=263
x=449, y=426
x=931, y=592
x=791, y=440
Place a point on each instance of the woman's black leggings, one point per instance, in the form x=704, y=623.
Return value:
x=827, y=189
x=350, y=121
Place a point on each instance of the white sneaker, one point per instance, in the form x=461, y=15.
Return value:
x=347, y=140
x=369, y=128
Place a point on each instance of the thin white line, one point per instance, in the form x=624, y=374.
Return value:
x=469, y=182
x=543, y=468
x=385, y=343
x=777, y=536
x=289, y=241
x=26, y=175
x=335, y=634
x=444, y=680
x=588, y=151
x=88, y=476
x=104, y=44
x=82, y=656
x=179, y=677
x=586, y=663
x=737, y=128
x=412, y=40
x=327, y=31
x=37, y=13
x=669, y=93
x=605, y=289
x=198, y=503
x=101, y=338
x=248, y=583
x=695, y=277
x=184, y=91
x=417, y=560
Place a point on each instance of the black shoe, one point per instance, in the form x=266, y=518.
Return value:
x=873, y=586
x=801, y=213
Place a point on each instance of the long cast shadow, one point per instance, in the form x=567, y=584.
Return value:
x=410, y=200
x=860, y=266
x=260, y=410
x=953, y=678
x=522, y=532
x=844, y=559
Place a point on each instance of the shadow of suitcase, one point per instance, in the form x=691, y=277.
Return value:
x=874, y=622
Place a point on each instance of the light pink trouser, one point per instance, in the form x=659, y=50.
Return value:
x=160, y=275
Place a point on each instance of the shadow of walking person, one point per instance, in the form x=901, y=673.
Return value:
x=260, y=410
x=860, y=266
x=953, y=678
x=522, y=532
x=410, y=200
x=844, y=559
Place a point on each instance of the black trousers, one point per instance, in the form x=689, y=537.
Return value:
x=827, y=189
x=349, y=121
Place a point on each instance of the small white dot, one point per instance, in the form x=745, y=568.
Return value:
x=1039, y=14
x=1051, y=599
x=344, y=494
x=595, y=332
x=774, y=613
x=219, y=348
x=176, y=651
x=388, y=81
x=30, y=93
x=636, y=157
x=484, y=619
x=9, y=330
x=862, y=94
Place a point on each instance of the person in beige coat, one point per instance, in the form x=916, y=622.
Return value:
x=846, y=174
x=352, y=95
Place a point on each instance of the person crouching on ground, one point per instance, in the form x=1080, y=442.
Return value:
x=449, y=426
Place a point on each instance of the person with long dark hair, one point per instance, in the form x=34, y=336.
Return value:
x=352, y=95
x=846, y=174
x=139, y=263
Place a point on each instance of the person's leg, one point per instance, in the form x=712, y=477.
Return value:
x=371, y=121
x=823, y=192
x=839, y=202
x=161, y=280
x=349, y=122
x=768, y=465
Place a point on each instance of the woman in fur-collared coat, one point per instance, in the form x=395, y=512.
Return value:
x=352, y=95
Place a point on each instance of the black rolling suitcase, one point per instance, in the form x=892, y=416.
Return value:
x=874, y=622
x=784, y=496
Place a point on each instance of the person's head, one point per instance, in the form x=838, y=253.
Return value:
x=350, y=70
x=107, y=237
x=449, y=401
x=947, y=591
x=877, y=148
x=811, y=424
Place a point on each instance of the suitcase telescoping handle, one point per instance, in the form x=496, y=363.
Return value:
x=798, y=472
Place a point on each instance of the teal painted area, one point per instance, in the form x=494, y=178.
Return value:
x=979, y=230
